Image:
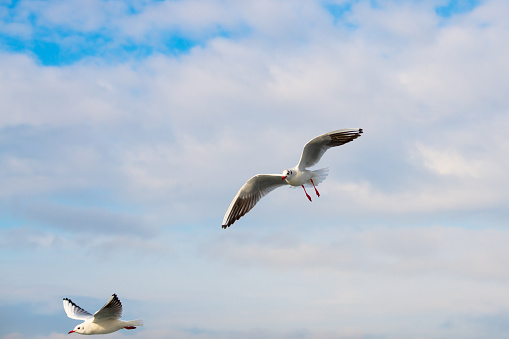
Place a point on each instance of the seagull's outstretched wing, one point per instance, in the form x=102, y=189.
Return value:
x=316, y=147
x=249, y=194
x=73, y=311
x=111, y=310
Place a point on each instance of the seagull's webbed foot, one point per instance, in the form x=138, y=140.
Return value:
x=130, y=327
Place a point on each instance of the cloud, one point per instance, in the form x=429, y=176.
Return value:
x=116, y=170
x=65, y=32
x=254, y=275
x=416, y=251
x=167, y=130
x=29, y=238
x=93, y=220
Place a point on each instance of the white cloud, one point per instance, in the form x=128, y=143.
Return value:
x=77, y=15
x=449, y=162
x=120, y=172
x=225, y=283
x=37, y=95
x=416, y=251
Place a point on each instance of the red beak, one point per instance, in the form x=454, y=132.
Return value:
x=284, y=177
x=70, y=332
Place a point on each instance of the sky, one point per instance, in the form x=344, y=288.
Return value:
x=126, y=128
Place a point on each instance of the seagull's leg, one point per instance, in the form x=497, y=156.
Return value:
x=318, y=194
x=307, y=195
x=130, y=327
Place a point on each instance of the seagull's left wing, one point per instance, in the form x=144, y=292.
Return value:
x=249, y=194
x=73, y=311
x=111, y=310
x=316, y=147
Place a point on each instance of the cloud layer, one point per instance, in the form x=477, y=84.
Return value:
x=128, y=127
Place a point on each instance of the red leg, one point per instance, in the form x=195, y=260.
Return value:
x=307, y=195
x=318, y=194
x=130, y=327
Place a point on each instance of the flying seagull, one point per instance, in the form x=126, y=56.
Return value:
x=106, y=320
x=261, y=184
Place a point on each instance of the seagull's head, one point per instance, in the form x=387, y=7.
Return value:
x=78, y=329
x=288, y=173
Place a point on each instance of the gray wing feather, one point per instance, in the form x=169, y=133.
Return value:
x=315, y=148
x=73, y=311
x=111, y=310
x=249, y=194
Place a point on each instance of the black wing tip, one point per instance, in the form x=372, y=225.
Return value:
x=232, y=221
x=116, y=299
x=359, y=131
x=69, y=300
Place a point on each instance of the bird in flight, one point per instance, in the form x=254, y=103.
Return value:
x=106, y=320
x=261, y=184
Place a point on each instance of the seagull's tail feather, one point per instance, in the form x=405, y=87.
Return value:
x=137, y=322
x=319, y=176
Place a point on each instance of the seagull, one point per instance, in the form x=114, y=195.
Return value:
x=261, y=184
x=106, y=320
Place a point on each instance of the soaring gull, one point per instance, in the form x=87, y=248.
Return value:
x=261, y=184
x=106, y=320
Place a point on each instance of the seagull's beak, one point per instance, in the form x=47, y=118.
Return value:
x=71, y=332
x=284, y=177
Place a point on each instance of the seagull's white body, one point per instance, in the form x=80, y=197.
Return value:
x=106, y=320
x=261, y=184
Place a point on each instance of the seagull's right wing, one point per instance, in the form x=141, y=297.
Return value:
x=249, y=194
x=316, y=147
x=111, y=310
x=73, y=311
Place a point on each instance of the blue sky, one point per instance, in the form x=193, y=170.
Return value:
x=49, y=32
x=128, y=126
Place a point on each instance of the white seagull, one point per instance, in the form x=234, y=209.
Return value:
x=261, y=184
x=106, y=320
